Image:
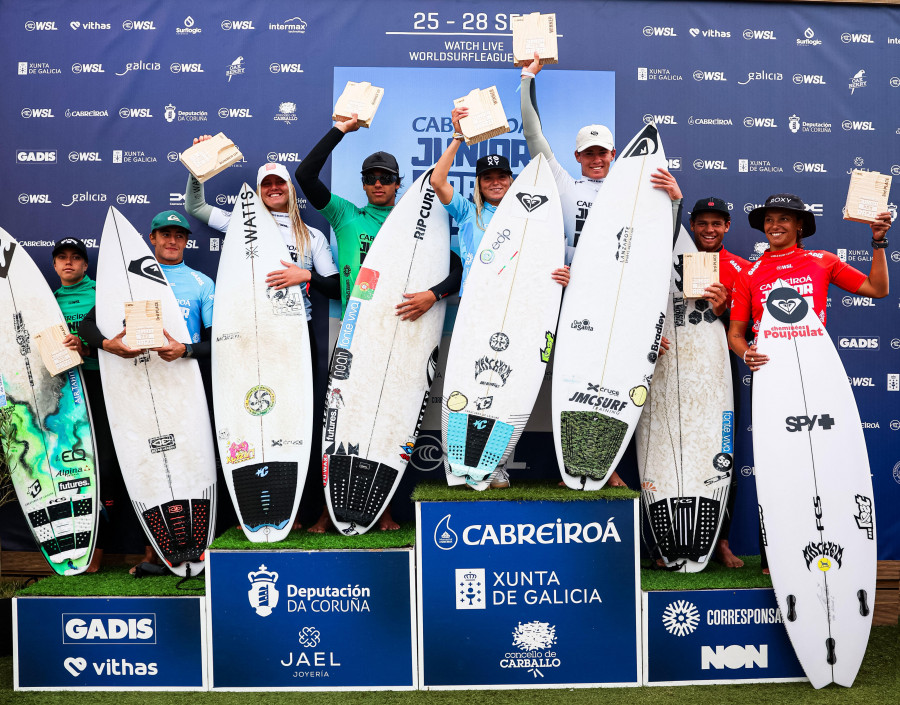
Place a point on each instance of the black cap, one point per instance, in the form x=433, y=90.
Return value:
x=72, y=242
x=381, y=160
x=713, y=204
x=490, y=162
x=788, y=202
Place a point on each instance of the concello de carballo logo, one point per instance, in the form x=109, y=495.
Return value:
x=263, y=594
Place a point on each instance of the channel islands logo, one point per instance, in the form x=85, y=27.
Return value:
x=786, y=305
x=259, y=400
x=263, y=595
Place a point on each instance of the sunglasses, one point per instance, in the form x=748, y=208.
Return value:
x=385, y=179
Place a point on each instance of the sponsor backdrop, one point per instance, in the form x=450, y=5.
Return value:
x=305, y=620
x=703, y=636
x=119, y=643
x=103, y=98
x=520, y=594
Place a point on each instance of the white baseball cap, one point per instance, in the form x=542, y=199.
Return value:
x=592, y=135
x=272, y=168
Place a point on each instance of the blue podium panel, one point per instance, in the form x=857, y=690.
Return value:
x=312, y=620
x=716, y=636
x=528, y=594
x=109, y=643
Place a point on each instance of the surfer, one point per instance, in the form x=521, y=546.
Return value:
x=710, y=219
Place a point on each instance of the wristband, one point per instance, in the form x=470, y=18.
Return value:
x=526, y=73
x=459, y=136
x=744, y=358
x=879, y=244
x=188, y=350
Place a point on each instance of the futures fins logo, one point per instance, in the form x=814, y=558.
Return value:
x=148, y=268
x=531, y=202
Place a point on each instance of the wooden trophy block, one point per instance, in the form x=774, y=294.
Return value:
x=486, y=118
x=56, y=356
x=534, y=33
x=206, y=159
x=700, y=269
x=144, y=325
x=867, y=196
x=361, y=98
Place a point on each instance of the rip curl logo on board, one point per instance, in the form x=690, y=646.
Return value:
x=786, y=305
x=263, y=595
x=681, y=618
x=531, y=202
x=259, y=400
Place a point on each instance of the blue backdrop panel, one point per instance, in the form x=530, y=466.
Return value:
x=751, y=99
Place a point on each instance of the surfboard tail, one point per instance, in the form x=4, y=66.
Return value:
x=590, y=442
x=358, y=489
x=180, y=529
x=264, y=495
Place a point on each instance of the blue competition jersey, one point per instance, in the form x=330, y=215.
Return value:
x=195, y=293
x=463, y=211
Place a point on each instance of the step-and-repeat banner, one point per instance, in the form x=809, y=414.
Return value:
x=751, y=99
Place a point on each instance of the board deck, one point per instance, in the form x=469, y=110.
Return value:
x=685, y=447
x=157, y=410
x=46, y=438
x=814, y=488
x=612, y=317
x=262, y=375
x=504, y=330
x=383, y=367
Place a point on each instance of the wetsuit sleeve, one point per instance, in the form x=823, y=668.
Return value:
x=531, y=120
x=450, y=285
x=329, y=286
x=677, y=205
x=89, y=332
x=203, y=349
x=194, y=200
x=307, y=173
x=207, y=300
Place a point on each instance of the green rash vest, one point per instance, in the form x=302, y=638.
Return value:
x=355, y=229
x=75, y=301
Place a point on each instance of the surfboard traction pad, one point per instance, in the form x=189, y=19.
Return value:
x=79, y=511
x=475, y=444
x=358, y=487
x=590, y=442
x=180, y=529
x=685, y=527
x=265, y=494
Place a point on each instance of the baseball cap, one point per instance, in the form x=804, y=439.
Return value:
x=381, y=160
x=167, y=218
x=272, y=168
x=72, y=242
x=713, y=204
x=788, y=202
x=489, y=162
x=591, y=135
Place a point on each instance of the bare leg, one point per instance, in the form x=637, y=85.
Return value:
x=323, y=524
x=726, y=557
x=96, y=559
x=386, y=522
x=149, y=557
x=615, y=480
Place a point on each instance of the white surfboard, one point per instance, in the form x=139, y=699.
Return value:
x=685, y=436
x=46, y=439
x=504, y=329
x=382, y=367
x=612, y=317
x=157, y=410
x=262, y=375
x=814, y=488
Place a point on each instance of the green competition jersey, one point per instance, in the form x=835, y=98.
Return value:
x=75, y=301
x=355, y=229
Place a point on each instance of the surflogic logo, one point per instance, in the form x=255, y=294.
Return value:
x=189, y=27
x=809, y=39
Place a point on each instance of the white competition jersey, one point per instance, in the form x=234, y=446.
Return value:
x=576, y=196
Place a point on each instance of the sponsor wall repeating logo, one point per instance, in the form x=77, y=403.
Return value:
x=709, y=33
x=287, y=113
x=41, y=26
x=77, y=25
x=768, y=122
x=758, y=166
x=139, y=25
x=710, y=121
x=27, y=199
x=294, y=25
x=141, y=66
x=35, y=156
x=87, y=68
x=189, y=27
x=710, y=165
x=237, y=25
x=36, y=68
x=752, y=34
x=658, y=74
x=177, y=67
x=809, y=39
x=809, y=79
x=86, y=113
x=28, y=113
x=855, y=38
x=700, y=75
x=649, y=31
x=126, y=113
x=858, y=80
x=761, y=76
x=75, y=157
x=235, y=68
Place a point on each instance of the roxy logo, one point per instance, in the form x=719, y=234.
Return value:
x=531, y=202
x=734, y=656
x=680, y=618
x=121, y=629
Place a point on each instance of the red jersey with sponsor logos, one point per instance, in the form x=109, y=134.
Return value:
x=730, y=267
x=808, y=271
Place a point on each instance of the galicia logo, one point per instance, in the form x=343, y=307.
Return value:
x=761, y=76
x=121, y=628
x=445, y=538
x=681, y=618
x=141, y=66
x=86, y=197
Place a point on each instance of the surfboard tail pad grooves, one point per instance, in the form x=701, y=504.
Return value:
x=180, y=529
x=64, y=529
x=265, y=494
x=685, y=527
x=590, y=442
x=358, y=488
x=475, y=444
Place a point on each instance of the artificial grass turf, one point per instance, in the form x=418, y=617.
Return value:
x=114, y=581
x=714, y=577
x=404, y=537
x=520, y=491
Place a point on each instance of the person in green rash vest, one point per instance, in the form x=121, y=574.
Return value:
x=76, y=297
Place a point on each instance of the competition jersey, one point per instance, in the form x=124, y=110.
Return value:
x=355, y=230
x=730, y=268
x=576, y=196
x=808, y=271
x=195, y=293
x=74, y=302
x=318, y=257
x=470, y=234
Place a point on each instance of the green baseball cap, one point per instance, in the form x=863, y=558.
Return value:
x=167, y=218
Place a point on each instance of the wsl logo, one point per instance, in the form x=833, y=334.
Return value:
x=263, y=595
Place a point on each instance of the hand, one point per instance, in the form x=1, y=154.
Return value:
x=172, y=350
x=561, y=275
x=535, y=66
x=415, y=305
x=117, y=346
x=664, y=344
x=881, y=225
x=351, y=125
x=753, y=359
x=73, y=342
x=202, y=138
x=717, y=294
x=291, y=275
x=457, y=115
x=664, y=181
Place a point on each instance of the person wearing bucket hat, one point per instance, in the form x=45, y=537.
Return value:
x=785, y=220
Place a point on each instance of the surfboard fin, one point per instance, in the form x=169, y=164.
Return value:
x=792, y=608
x=831, y=657
x=863, y=598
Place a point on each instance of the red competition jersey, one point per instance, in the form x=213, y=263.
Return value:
x=730, y=266
x=808, y=271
